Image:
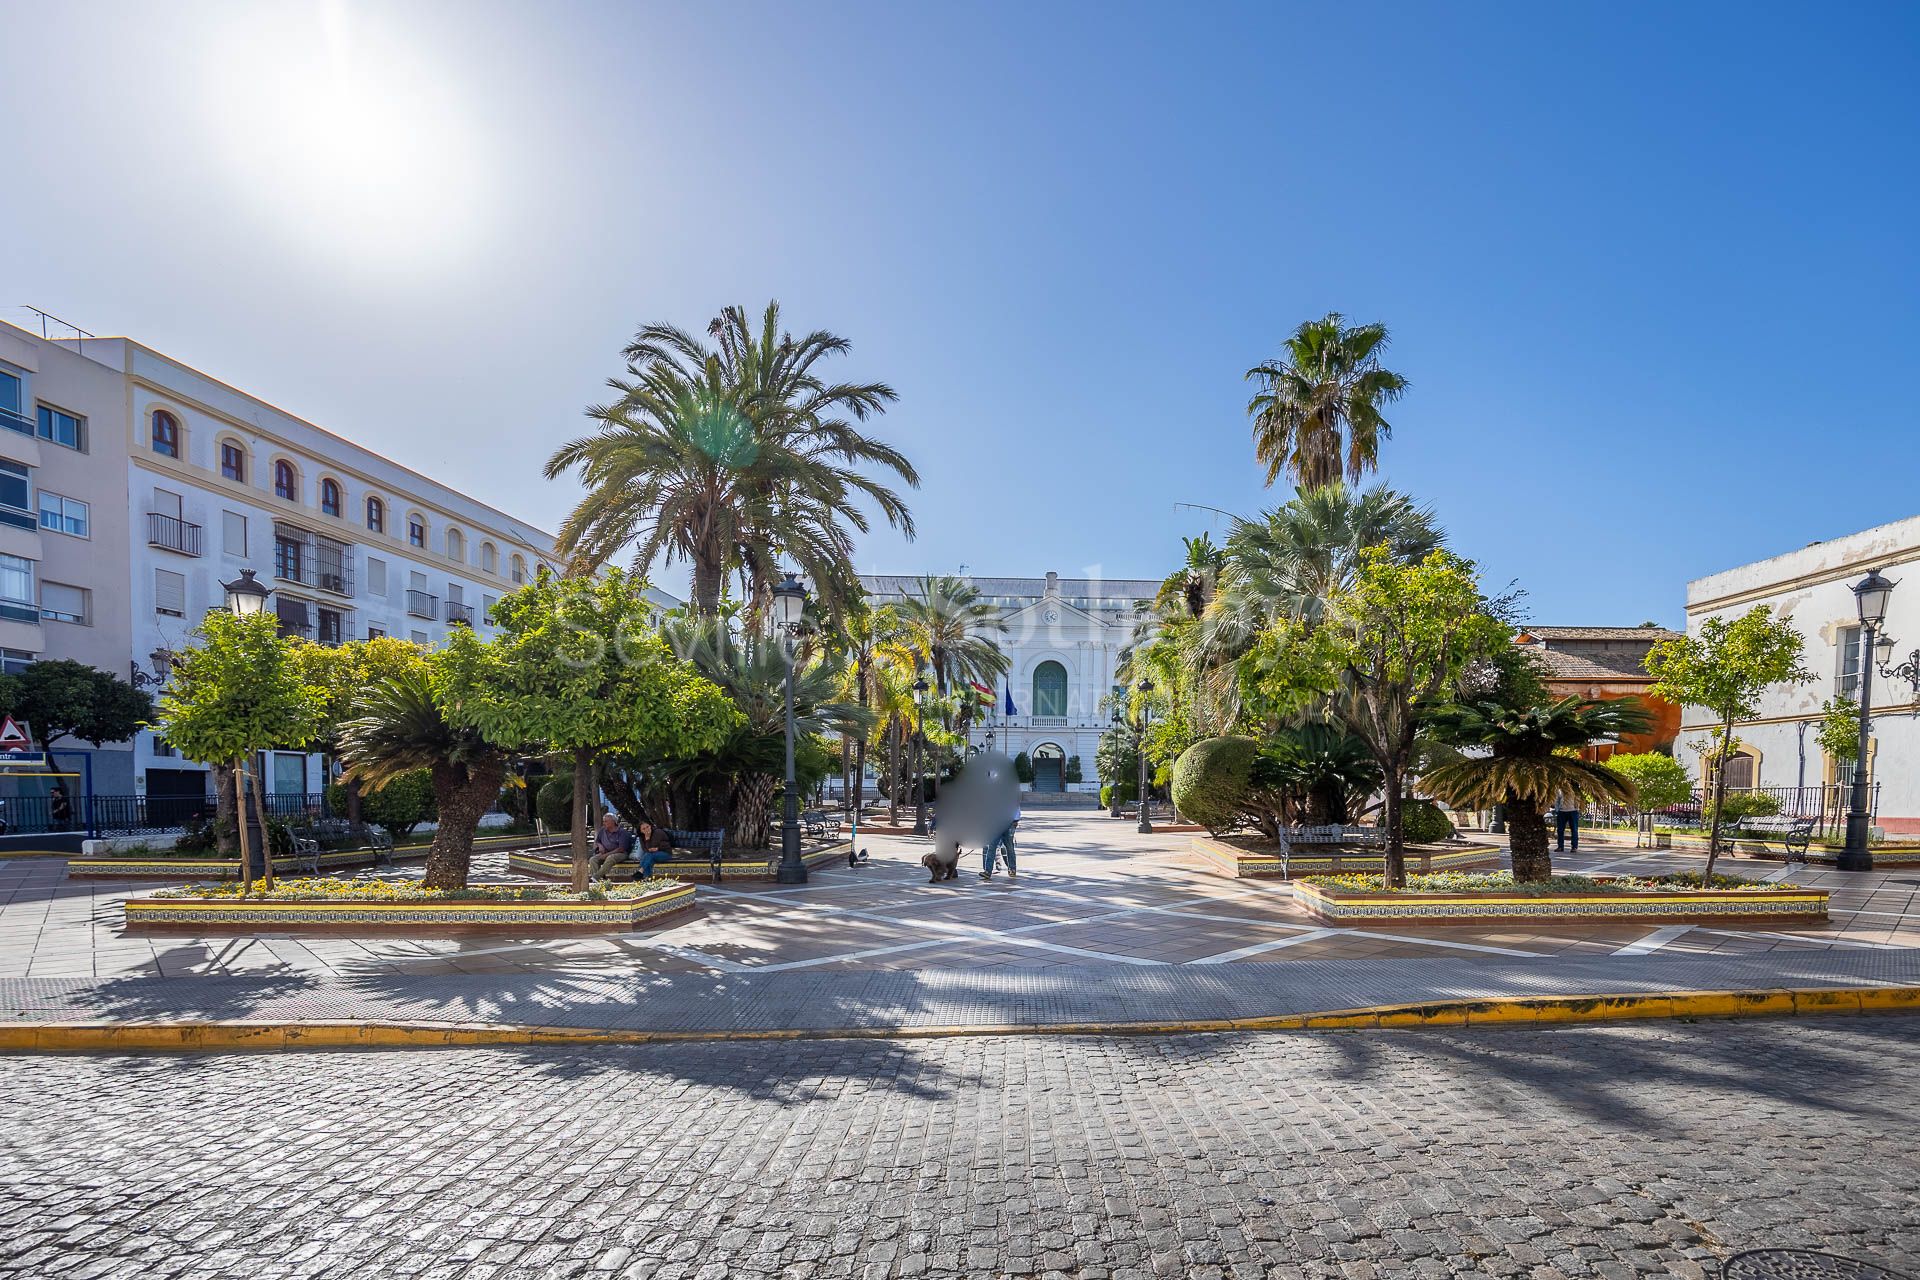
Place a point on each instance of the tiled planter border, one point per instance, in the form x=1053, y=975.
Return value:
x=555, y=862
x=1245, y=864
x=215, y=868
x=415, y=917
x=1679, y=906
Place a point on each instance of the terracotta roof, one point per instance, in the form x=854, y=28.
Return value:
x=1650, y=634
x=1559, y=665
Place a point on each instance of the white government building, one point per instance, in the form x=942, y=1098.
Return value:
x=132, y=485
x=1813, y=589
x=1064, y=638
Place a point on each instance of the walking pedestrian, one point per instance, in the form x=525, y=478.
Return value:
x=59, y=807
x=1566, y=822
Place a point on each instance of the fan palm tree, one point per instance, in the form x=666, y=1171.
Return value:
x=729, y=457
x=1317, y=412
x=1530, y=760
x=399, y=729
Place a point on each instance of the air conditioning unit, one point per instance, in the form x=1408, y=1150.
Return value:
x=333, y=582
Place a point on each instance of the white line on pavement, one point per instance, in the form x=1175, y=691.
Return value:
x=1260, y=948
x=1654, y=941
x=1801, y=937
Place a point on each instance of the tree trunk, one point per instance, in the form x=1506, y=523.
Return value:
x=752, y=812
x=1395, y=870
x=893, y=775
x=351, y=786
x=236, y=774
x=462, y=797
x=225, y=812
x=706, y=586
x=260, y=802
x=1720, y=794
x=1527, y=841
x=582, y=815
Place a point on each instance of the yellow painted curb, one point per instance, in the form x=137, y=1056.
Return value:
x=98, y=1037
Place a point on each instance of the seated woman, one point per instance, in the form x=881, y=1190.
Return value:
x=654, y=844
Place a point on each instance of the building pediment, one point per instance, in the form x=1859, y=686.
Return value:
x=1050, y=612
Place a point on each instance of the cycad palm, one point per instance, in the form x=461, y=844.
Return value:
x=399, y=729
x=1529, y=762
x=1317, y=412
x=730, y=457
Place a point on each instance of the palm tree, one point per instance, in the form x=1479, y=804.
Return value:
x=730, y=457
x=870, y=638
x=1317, y=412
x=952, y=628
x=400, y=729
x=1191, y=587
x=1529, y=763
x=1327, y=765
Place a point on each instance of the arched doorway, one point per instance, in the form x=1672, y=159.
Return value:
x=1049, y=767
x=1050, y=689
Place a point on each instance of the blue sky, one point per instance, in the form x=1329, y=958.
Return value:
x=1651, y=271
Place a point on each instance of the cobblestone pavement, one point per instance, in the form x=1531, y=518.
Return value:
x=1093, y=891
x=1564, y=1152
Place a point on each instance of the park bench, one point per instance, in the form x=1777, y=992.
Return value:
x=1336, y=836
x=707, y=842
x=1794, y=834
x=310, y=841
x=820, y=824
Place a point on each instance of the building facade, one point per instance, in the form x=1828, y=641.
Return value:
x=182, y=481
x=1063, y=637
x=1812, y=589
x=1606, y=662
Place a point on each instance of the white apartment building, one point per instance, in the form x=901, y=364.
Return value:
x=193, y=481
x=1813, y=589
x=1064, y=638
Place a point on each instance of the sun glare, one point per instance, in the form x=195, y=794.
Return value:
x=346, y=135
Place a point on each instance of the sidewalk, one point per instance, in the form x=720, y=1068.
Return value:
x=295, y=1009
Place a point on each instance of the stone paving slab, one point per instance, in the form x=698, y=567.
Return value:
x=821, y=1001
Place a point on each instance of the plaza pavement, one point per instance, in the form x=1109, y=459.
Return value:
x=1564, y=1153
x=1094, y=893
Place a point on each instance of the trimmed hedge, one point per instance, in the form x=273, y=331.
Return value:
x=1423, y=822
x=1211, y=779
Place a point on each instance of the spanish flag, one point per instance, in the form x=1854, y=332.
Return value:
x=986, y=694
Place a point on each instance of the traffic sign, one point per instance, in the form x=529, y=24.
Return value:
x=13, y=735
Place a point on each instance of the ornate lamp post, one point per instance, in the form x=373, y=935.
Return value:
x=1140, y=749
x=789, y=605
x=1908, y=671
x=920, y=687
x=247, y=596
x=1870, y=597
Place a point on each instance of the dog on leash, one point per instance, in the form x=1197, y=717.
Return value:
x=944, y=861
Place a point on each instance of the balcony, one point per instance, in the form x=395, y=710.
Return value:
x=14, y=420
x=170, y=534
x=459, y=614
x=304, y=557
x=422, y=605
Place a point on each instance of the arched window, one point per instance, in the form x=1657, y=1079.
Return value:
x=330, y=498
x=1741, y=768
x=519, y=568
x=233, y=461
x=456, y=546
x=376, y=514
x=286, y=483
x=417, y=532
x=166, y=434
x=489, y=558
x=1050, y=689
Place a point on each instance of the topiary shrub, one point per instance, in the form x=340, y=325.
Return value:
x=1211, y=779
x=556, y=804
x=1023, y=768
x=1072, y=772
x=1423, y=822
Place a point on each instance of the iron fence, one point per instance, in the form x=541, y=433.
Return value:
x=1826, y=803
x=102, y=816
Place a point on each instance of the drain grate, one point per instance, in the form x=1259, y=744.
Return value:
x=1802, y=1264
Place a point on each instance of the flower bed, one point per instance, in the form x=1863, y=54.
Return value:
x=175, y=866
x=1260, y=859
x=353, y=905
x=1480, y=897
x=555, y=862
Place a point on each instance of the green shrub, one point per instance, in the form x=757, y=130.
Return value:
x=1023, y=767
x=1423, y=822
x=556, y=803
x=1660, y=781
x=1072, y=771
x=399, y=807
x=1211, y=779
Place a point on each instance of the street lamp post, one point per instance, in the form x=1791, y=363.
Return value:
x=247, y=596
x=789, y=606
x=920, y=757
x=1146, y=717
x=1870, y=596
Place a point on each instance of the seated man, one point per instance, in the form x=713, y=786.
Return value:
x=611, y=843
x=655, y=844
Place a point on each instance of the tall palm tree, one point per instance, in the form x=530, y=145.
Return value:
x=729, y=457
x=400, y=729
x=871, y=638
x=1191, y=586
x=1529, y=762
x=954, y=629
x=1317, y=412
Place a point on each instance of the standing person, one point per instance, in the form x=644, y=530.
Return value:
x=1566, y=818
x=1003, y=842
x=59, y=807
x=611, y=843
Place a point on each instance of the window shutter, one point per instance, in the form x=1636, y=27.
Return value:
x=58, y=597
x=236, y=534
x=376, y=576
x=170, y=593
